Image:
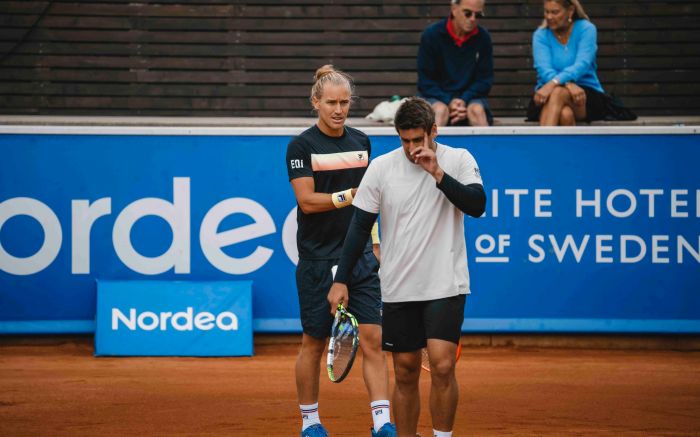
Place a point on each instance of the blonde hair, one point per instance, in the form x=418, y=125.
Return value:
x=329, y=75
x=579, y=13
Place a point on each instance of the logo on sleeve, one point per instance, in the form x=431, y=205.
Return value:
x=477, y=172
x=361, y=156
x=296, y=163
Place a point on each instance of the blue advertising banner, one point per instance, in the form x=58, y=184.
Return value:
x=174, y=318
x=582, y=233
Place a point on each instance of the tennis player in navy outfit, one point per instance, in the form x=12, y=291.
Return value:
x=325, y=164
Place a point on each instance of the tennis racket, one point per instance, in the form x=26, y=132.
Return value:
x=342, y=345
x=425, y=364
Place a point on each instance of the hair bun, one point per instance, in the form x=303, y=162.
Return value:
x=323, y=71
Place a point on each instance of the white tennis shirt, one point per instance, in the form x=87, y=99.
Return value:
x=424, y=255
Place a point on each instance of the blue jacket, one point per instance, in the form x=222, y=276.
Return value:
x=446, y=71
x=573, y=62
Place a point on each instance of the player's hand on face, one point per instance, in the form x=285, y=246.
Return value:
x=424, y=155
x=337, y=294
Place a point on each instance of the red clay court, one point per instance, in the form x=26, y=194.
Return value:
x=56, y=387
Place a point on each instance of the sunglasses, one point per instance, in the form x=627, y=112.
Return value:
x=468, y=13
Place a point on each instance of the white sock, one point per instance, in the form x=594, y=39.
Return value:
x=380, y=413
x=309, y=415
x=437, y=433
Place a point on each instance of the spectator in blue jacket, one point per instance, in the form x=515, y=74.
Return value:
x=564, y=49
x=455, y=66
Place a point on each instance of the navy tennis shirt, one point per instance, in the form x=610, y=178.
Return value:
x=336, y=164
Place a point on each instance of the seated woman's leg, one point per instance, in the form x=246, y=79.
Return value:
x=551, y=110
x=567, y=118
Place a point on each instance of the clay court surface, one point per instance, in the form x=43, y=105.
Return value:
x=58, y=388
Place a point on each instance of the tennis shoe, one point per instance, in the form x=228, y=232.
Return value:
x=387, y=430
x=315, y=430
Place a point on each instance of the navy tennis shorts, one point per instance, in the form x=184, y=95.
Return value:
x=314, y=279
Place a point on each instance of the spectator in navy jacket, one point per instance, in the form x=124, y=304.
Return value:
x=455, y=66
x=564, y=50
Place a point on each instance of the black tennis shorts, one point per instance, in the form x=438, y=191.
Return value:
x=407, y=326
x=314, y=279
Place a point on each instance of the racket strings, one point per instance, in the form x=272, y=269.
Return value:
x=343, y=345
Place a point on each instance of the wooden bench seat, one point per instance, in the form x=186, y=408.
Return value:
x=257, y=58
